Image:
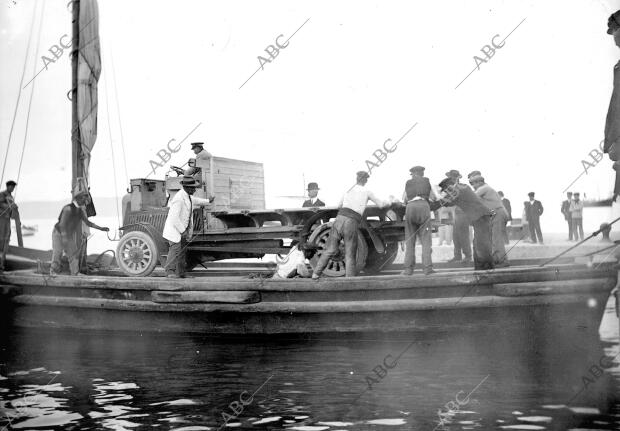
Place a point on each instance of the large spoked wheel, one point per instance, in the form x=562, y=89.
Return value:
x=137, y=254
x=336, y=265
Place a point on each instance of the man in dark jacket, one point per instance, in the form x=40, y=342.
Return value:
x=508, y=209
x=313, y=191
x=533, y=211
x=478, y=215
x=417, y=193
x=567, y=216
x=7, y=208
x=461, y=237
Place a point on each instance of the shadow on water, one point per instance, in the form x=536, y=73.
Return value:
x=104, y=380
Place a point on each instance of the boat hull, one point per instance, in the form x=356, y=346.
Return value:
x=566, y=301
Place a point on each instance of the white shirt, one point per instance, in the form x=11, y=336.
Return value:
x=179, y=215
x=357, y=198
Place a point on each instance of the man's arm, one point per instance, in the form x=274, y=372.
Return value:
x=377, y=201
x=405, y=197
x=540, y=211
x=91, y=224
x=202, y=202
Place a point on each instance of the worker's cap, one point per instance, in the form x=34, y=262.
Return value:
x=417, y=169
x=313, y=186
x=576, y=194
x=476, y=179
x=473, y=174
x=198, y=144
x=613, y=23
x=531, y=194
x=453, y=173
x=11, y=183
x=189, y=181
x=569, y=193
x=362, y=175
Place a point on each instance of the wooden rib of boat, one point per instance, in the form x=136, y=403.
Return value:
x=561, y=299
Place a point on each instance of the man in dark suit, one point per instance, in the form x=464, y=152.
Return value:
x=508, y=209
x=313, y=191
x=461, y=237
x=567, y=216
x=533, y=211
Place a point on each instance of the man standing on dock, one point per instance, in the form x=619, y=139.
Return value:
x=533, y=211
x=179, y=225
x=499, y=218
x=346, y=225
x=566, y=211
x=508, y=209
x=314, y=201
x=7, y=205
x=576, y=214
x=417, y=193
x=65, y=231
x=477, y=214
x=461, y=238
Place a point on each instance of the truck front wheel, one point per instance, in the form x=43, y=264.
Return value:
x=137, y=254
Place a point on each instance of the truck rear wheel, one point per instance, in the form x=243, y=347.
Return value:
x=137, y=254
x=336, y=265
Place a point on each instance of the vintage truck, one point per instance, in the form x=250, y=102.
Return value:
x=237, y=225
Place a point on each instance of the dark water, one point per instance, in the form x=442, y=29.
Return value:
x=85, y=380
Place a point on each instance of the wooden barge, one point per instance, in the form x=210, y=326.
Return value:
x=566, y=300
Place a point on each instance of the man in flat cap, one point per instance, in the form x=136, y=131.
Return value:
x=179, y=225
x=477, y=214
x=7, y=208
x=611, y=144
x=576, y=213
x=66, y=232
x=473, y=174
x=201, y=154
x=461, y=237
x=313, y=191
x=533, y=210
x=346, y=226
x=499, y=218
x=417, y=194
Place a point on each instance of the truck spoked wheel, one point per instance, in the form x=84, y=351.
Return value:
x=137, y=254
x=336, y=265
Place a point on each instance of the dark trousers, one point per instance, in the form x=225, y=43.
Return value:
x=175, y=263
x=5, y=237
x=569, y=220
x=483, y=244
x=343, y=228
x=462, y=242
x=535, y=230
x=577, y=228
x=505, y=233
x=418, y=225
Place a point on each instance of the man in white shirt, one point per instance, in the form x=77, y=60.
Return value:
x=180, y=226
x=352, y=206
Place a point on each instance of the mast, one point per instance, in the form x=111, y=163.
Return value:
x=77, y=167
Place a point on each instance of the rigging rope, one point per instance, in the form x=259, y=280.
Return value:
x=107, y=107
x=36, y=55
x=118, y=112
x=21, y=82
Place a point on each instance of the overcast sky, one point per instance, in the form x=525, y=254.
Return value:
x=356, y=74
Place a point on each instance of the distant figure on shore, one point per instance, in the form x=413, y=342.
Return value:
x=314, y=201
x=567, y=216
x=499, y=218
x=508, y=209
x=576, y=213
x=533, y=211
x=460, y=234
x=7, y=206
x=65, y=231
x=346, y=225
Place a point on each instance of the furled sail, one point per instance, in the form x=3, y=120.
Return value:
x=88, y=72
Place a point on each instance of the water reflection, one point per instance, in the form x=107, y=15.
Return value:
x=56, y=379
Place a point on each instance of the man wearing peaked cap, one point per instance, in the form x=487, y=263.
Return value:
x=533, y=209
x=461, y=237
x=201, y=154
x=313, y=191
x=346, y=226
x=418, y=192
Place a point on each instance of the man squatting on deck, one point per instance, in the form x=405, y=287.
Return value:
x=346, y=225
x=7, y=206
x=65, y=231
x=180, y=224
